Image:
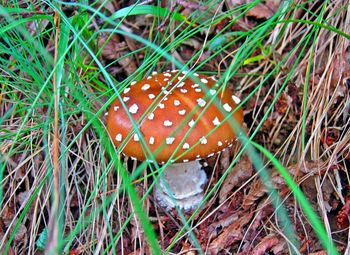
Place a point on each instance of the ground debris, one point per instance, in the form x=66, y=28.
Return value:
x=229, y=235
x=267, y=244
x=237, y=175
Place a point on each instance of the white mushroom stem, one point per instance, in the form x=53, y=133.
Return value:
x=181, y=185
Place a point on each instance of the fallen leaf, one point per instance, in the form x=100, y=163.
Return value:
x=265, y=245
x=242, y=171
x=260, y=11
x=21, y=233
x=340, y=67
x=273, y=4
x=7, y=215
x=343, y=215
x=225, y=160
x=259, y=189
x=318, y=253
x=114, y=49
x=229, y=235
x=223, y=223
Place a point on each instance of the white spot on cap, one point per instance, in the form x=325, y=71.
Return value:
x=167, y=74
x=169, y=140
x=191, y=123
x=115, y=108
x=165, y=79
x=236, y=99
x=219, y=143
x=174, y=71
x=145, y=86
x=149, y=77
x=201, y=102
x=198, y=156
x=216, y=121
x=154, y=73
x=119, y=137
x=161, y=106
x=180, y=84
x=211, y=154
x=204, y=80
x=151, y=96
x=151, y=140
x=196, y=74
x=180, y=78
x=133, y=109
x=183, y=91
x=198, y=90
x=195, y=85
x=185, y=146
x=185, y=160
x=136, y=138
x=203, y=140
x=184, y=72
x=125, y=99
x=213, y=78
x=227, y=107
x=167, y=123
x=126, y=90
x=212, y=91
x=182, y=112
x=133, y=83
x=176, y=102
x=106, y=113
x=150, y=116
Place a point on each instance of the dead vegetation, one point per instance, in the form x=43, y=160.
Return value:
x=297, y=107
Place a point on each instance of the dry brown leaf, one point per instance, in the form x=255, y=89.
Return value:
x=340, y=67
x=318, y=253
x=8, y=214
x=273, y=4
x=265, y=245
x=187, y=249
x=114, y=49
x=223, y=223
x=343, y=215
x=263, y=211
x=260, y=11
x=21, y=234
x=258, y=189
x=229, y=235
x=237, y=175
x=225, y=159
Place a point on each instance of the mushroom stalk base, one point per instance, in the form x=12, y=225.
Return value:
x=181, y=185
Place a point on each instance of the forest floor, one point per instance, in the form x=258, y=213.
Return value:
x=63, y=189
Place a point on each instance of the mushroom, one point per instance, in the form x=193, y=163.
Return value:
x=180, y=119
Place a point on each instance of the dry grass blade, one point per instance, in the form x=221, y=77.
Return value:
x=53, y=220
x=289, y=63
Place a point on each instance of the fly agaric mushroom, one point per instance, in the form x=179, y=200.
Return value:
x=178, y=120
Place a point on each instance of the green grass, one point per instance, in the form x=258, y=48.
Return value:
x=91, y=173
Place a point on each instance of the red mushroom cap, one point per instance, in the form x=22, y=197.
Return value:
x=179, y=102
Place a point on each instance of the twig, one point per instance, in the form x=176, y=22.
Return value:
x=53, y=224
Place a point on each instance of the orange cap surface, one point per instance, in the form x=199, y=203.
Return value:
x=165, y=109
